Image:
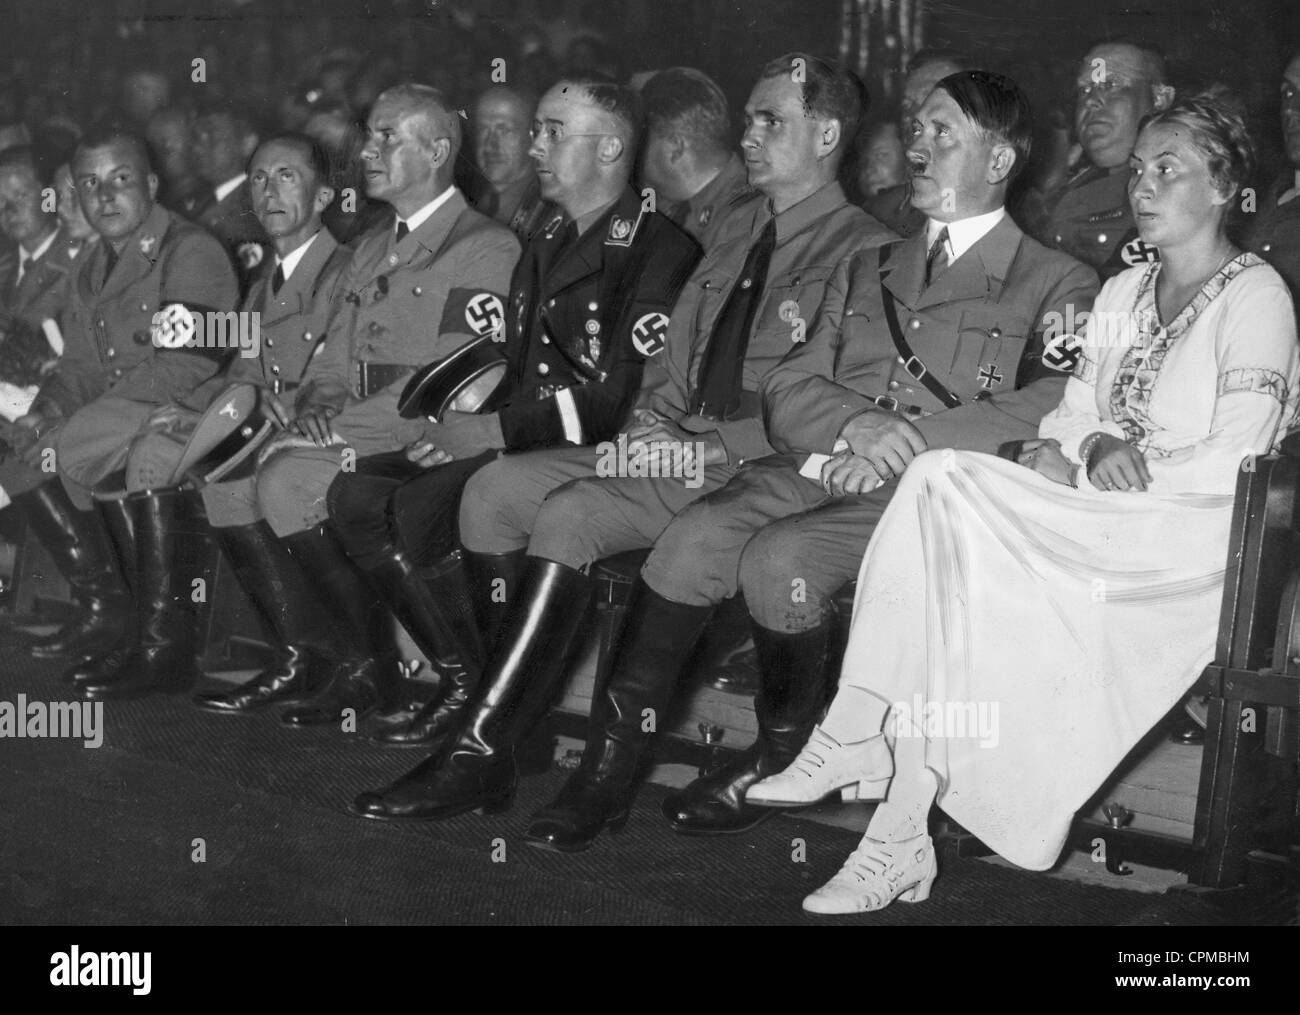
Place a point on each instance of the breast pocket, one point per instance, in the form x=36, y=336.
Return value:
x=795, y=296
x=990, y=344
x=708, y=302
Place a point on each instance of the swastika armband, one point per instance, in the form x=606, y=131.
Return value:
x=648, y=333
x=476, y=311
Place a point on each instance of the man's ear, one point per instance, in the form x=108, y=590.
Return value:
x=610, y=149
x=1162, y=96
x=441, y=151
x=1002, y=160
x=324, y=196
x=152, y=181
x=828, y=137
x=676, y=147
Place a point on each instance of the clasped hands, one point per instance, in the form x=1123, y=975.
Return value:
x=1112, y=465
x=655, y=436
x=881, y=445
x=460, y=435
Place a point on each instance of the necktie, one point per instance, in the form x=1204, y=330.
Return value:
x=722, y=370
x=937, y=259
x=24, y=266
x=277, y=280
x=402, y=230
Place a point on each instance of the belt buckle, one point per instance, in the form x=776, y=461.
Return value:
x=363, y=379
x=915, y=368
x=887, y=402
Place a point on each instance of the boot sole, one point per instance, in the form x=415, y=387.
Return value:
x=485, y=809
x=613, y=827
x=709, y=833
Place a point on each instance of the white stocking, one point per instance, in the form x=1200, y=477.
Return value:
x=906, y=812
x=855, y=714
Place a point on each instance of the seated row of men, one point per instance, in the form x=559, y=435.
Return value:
x=771, y=387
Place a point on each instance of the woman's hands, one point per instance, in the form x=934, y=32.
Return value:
x=1046, y=459
x=1114, y=464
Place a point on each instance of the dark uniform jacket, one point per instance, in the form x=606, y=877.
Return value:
x=292, y=322
x=978, y=329
x=41, y=296
x=233, y=222
x=579, y=329
x=404, y=305
x=812, y=238
x=1090, y=219
x=108, y=327
x=1275, y=234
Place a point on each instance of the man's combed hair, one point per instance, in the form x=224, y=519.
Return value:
x=318, y=160
x=111, y=134
x=1215, y=121
x=997, y=106
x=683, y=100
x=423, y=97
x=830, y=92
x=617, y=100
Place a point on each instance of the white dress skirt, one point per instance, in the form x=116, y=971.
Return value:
x=1032, y=632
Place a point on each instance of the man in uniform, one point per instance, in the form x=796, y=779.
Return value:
x=414, y=293
x=182, y=191
x=34, y=288
x=1089, y=216
x=117, y=369
x=1275, y=231
x=222, y=142
x=933, y=342
x=689, y=160
x=290, y=303
x=592, y=284
x=739, y=314
x=502, y=117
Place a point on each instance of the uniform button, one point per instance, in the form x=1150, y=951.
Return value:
x=995, y=332
x=893, y=385
x=306, y=336
x=418, y=291
x=1101, y=237
x=1058, y=237
x=144, y=306
x=849, y=312
x=375, y=327
x=275, y=369
x=270, y=344
x=550, y=303
x=914, y=323
x=392, y=258
x=900, y=359
x=117, y=371
x=545, y=340
x=1267, y=247
x=593, y=327
x=745, y=283
x=111, y=353
x=100, y=322
x=543, y=369
x=593, y=305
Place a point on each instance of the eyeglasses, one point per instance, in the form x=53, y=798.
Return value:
x=554, y=133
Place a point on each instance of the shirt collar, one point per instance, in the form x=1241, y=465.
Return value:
x=811, y=209
x=420, y=217
x=230, y=186
x=964, y=233
x=39, y=252
x=291, y=259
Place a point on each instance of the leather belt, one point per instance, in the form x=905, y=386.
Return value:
x=279, y=387
x=372, y=377
x=894, y=405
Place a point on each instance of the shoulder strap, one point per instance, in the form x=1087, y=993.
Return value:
x=911, y=363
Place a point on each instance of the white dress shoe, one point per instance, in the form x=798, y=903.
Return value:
x=877, y=873
x=862, y=770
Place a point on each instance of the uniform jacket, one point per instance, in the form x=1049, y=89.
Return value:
x=413, y=302
x=706, y=215
x=292, y=323
x=978, y=329
x=577, y=342
x=1275, y=234
x=1089, y=218
x=813, y=237
x=108, y=341
x=43, y=291
x=232, y=221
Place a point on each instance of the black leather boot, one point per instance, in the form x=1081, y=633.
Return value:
x=493, y=579
x=433, y=604
x=658, y=638
x=81, y=551
x=115, y=513
x=278, y=590
x=364, y=677
x=169, y=527
x=791, y=693
x=477, y=770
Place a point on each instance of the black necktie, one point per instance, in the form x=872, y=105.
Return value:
x=937, y=259
x=402, y=230
x=277, y=280
x=722, y=370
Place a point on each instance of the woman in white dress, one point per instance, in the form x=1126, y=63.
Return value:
x=1019, y=626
